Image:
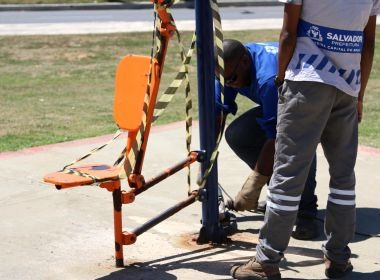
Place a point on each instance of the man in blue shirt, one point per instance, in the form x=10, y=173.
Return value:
x=250, y=70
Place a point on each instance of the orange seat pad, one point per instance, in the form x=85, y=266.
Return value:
x=100, y=171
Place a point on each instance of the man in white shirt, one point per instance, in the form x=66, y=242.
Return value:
x=325, y=58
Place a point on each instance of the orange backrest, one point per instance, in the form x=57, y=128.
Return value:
x=130, y=88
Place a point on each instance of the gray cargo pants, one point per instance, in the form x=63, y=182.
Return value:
x=246, y=138
x=309, y=113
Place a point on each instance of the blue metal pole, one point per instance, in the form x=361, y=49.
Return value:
x=211, y=229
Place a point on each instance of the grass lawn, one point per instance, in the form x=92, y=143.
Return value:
x=59, y=88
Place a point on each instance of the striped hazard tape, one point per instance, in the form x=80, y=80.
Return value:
x=127, y=163
x=220, y=64
x=167, y=96
x=136, y=150
x=130, y=163
x=67, y=169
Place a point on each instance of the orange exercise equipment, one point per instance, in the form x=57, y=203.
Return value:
x=136, y=87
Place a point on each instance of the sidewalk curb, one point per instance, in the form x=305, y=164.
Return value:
x=367, y=150
x=119, y=6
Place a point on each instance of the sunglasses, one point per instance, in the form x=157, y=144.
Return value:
x=234, y=75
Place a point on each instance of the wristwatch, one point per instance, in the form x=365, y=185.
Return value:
x=278, y=82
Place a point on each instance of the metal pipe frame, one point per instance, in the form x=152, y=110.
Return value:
x=211, y=229
x=166, y=214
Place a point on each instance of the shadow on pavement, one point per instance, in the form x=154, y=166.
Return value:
x=160, y=268
x=353, y=276
x=367, y=223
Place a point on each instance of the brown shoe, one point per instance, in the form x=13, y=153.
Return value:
x=253, y=270
x=248, y=197
x=337, y=270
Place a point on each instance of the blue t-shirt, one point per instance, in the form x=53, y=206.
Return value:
x=262, y=89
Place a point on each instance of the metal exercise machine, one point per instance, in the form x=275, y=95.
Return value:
x=136, y=88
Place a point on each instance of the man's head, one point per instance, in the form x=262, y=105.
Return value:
x=237, y=64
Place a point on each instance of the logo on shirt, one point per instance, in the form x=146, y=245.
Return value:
x=315, y=33
x=332, y=39
x=345, y=38
x=271, y=49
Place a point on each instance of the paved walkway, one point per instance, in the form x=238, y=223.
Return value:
x=68, y=234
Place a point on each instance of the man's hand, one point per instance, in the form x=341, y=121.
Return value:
x=360, y=110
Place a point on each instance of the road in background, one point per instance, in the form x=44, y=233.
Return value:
x=110, y=21
x=76, y=16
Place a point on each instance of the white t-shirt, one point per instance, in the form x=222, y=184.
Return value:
x=330, y=42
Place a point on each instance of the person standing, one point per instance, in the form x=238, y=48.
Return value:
x=325, y=58
x=250, y=69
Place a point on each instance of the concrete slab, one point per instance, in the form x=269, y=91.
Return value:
x=68, y=234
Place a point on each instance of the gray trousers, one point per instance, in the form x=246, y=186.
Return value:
x=246, y=138
x=309, y=113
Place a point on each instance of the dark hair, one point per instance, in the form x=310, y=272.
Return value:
x=233, y=49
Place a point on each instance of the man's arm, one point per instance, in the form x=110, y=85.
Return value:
x=264, y=164
x=268, y=120
x=229, y=105
x=366, y=60
x=288, y=37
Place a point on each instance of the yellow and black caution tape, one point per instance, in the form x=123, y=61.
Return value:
x=220, y=64
x=131, y=158
x=139, y=138
x=165, y=99
x=168, y=95
x=68, y=170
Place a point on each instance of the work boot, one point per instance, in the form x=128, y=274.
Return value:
x=306, y=229
x=336, y=270
x=261, y=207
x=248, y=196
x=253, y=270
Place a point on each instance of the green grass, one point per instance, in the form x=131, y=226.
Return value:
x=59, y=88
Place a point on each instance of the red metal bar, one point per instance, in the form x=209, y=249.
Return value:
x=118, y=224
x=168, y=172
x=166, y=214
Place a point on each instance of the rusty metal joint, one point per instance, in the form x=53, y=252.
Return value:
x=127, y=197
x=129, y=238
x=136, y=181
x=110, y=186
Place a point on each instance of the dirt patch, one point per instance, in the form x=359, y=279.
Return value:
x=244, y=238
x=189, y=241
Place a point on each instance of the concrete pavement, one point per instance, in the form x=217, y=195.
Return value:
x=68, y=234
